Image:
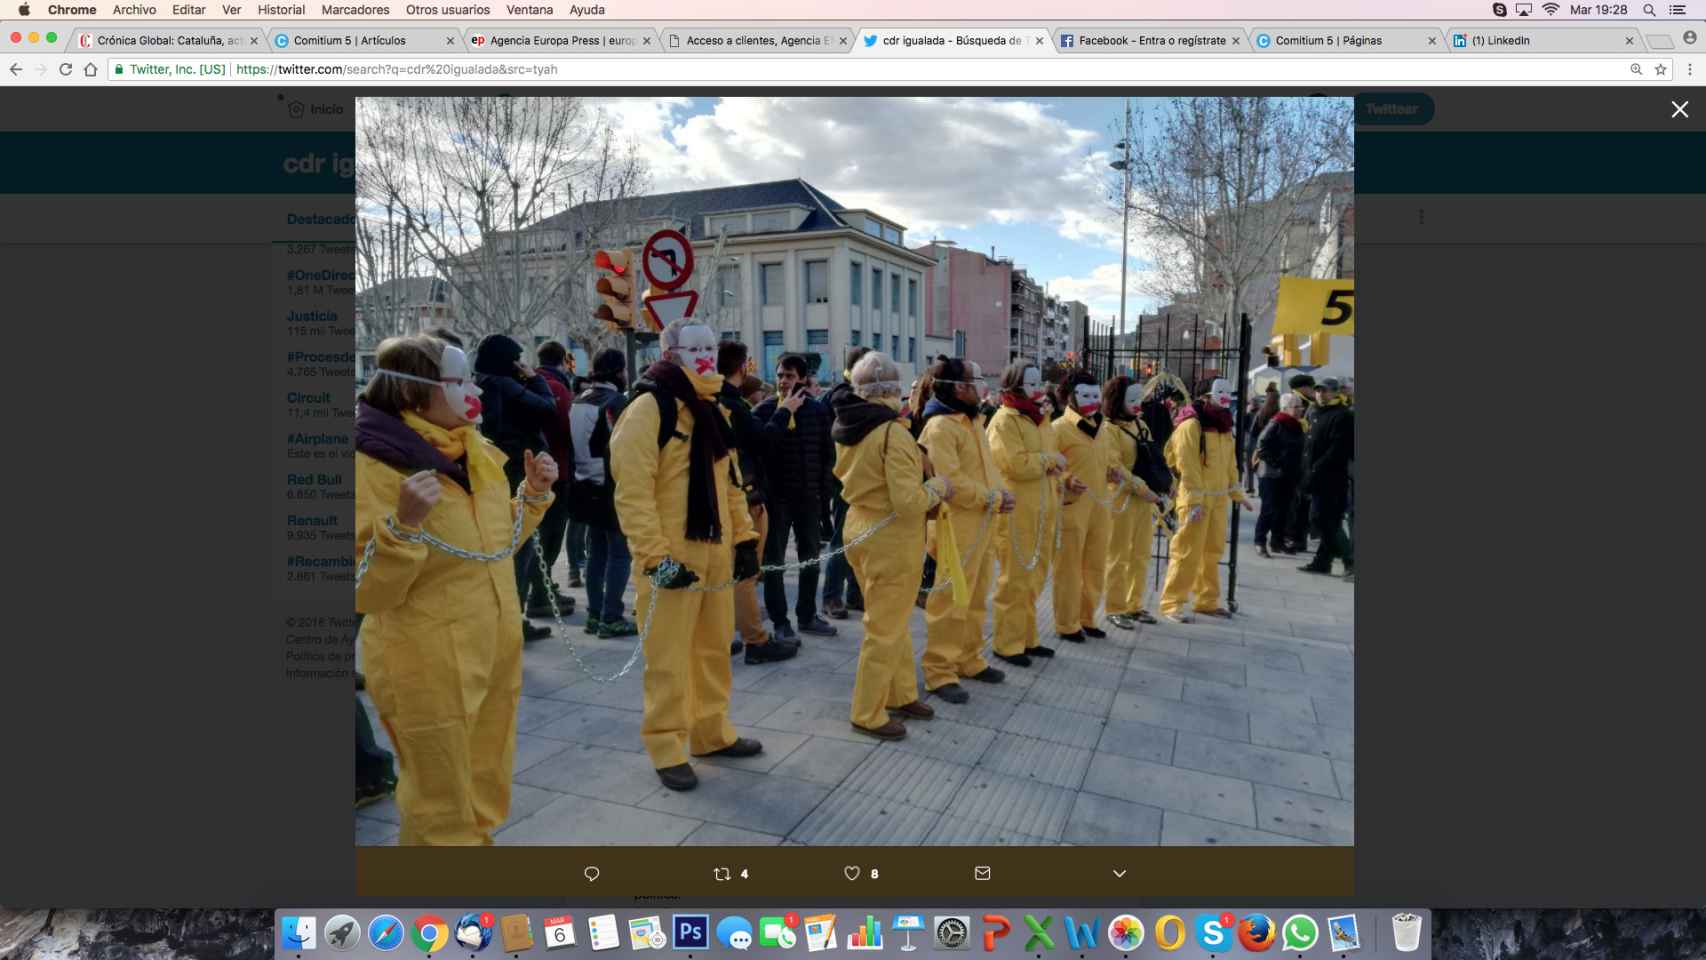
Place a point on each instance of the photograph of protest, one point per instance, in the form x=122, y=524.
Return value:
x=855, y=471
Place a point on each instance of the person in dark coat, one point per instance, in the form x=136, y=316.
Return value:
x=840, y=587
x=1279, y=469
x=798, y=458
x=1328, y=456
x=1298, y=526
x=1263, y=410
x=558, y=527
x=754, y=639
x=592, y=494
x=517, y=407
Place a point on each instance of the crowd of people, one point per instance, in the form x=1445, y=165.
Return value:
x=952, y=496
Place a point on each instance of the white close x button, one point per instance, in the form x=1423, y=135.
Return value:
x=1681, y=109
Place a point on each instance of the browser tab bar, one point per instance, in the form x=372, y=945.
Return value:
x=704, y=41
x=1142, y=41
x=928, y=42
x=1333, y=40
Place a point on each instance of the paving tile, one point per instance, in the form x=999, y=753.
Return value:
x=1171, y=788
x=1246, y=761
x=1092, y=651
x=1105, y=821
x=1171, y=644
x=533, y=712
x=1344, y=632
x=778, y=744
x=816, y=683
x=1151, y=684
x=717, y=835
x=1335, y=712
x=746, y=706
x=945, y=740
x=1071, y=697
x=1051, y=763
x=1183, y=829
x=985, y=711
x=525, y=801
x=597, y=773
x=1305, y=815
x=1322, y=662
x=1346, y=774
x=625, y=693
x=848, y=818
x=1080, y=673
x=1055, y=725
x=544, y=681
x=1295, y=706
x=818, y=718
x=531, y=750
x=824, y=760
x=1264, y=656
x=958, y=831
x=1219, y=721
x=374, y=833
x=736, y=798
x=914, y=779
x=580, y=822
x=600, y=726
x=1290, y=681
x=1140, y=741
x=1013, y=804
x=1275, y=731
x=1191, y=668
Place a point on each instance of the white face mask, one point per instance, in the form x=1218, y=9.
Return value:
x=1087, y=397
x=697, y=351
x=1032, y=384
x=1221, y=391
x=1133, y=398
x=463, y=395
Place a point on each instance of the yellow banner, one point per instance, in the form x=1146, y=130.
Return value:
x=1311, y=307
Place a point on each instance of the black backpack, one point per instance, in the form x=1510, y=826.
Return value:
x=1151, y=465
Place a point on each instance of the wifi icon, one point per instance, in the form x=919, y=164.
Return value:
x=1550, y=8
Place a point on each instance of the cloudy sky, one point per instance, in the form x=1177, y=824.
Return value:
x=1023, y=176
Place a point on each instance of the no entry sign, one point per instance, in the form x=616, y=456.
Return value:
x=667, y=259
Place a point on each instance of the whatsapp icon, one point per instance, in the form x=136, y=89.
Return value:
x=1299, y=932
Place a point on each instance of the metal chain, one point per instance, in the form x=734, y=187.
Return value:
x=1042, y=512
x=989, y=508
x=391, y=524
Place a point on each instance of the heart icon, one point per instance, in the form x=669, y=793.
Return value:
x=591, y=874
x=851, y=872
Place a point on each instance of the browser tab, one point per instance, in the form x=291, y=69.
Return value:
x=368, y=40
x=1322, y=40
x=784, y=40
x=564, y=40
x=932, y=42
x=133, y=40
x=1143, y=41
x=1501, y=40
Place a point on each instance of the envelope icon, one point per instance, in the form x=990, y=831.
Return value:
x=980, y=873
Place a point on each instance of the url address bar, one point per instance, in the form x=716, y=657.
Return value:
x=677, y=71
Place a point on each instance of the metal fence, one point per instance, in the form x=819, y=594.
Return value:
x=1198, y=352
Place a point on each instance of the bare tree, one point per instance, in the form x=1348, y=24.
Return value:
x=505, y=198
x=1215, y=184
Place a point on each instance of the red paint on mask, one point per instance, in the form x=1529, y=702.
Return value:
x=704, y=365
x=474, y=409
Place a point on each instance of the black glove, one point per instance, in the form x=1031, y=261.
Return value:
x=827, y=523
x=674, y=575
x=746, y=560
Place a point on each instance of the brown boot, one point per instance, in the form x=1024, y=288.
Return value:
x=916, y=710
x=888, y=731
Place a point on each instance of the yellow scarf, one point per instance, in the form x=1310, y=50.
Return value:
x=484, y=471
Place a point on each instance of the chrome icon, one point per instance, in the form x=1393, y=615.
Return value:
x=430, y=933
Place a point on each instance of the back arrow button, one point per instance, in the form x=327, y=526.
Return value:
x=15, y=69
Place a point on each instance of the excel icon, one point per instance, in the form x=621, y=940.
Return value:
x=1040, y=940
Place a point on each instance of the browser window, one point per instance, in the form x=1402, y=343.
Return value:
x=790, y=478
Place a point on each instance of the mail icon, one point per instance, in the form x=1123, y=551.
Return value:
x=980, y=873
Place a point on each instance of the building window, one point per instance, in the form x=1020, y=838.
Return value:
x=912, y=298
x=772, y=351
x=770, y=290
x=895, y=353
x=817, y=281
x=911, y=349
x=774, y=222
x=876, y=288
x=731, y=334
x=735, y=223
x=817, y=338
x=894, y=294
x=855, y=286
x=873, y=228
x=891, y=234
x=854, y=338
x=959, y=343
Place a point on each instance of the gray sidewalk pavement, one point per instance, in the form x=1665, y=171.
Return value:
x=1232, y=732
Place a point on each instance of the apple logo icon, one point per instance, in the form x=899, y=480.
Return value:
x=23, y=9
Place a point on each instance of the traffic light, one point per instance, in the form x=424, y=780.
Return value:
x=616, y=286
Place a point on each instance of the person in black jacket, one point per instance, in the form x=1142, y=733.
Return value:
x=1298, y=524
x=1279, y=468
x=1328, y=455
x=517, y=405
x=798, y=457
x=759, y=645
x=840, y=587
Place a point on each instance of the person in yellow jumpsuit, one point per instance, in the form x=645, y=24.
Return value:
x=1132, y=531
x=1081, y=562
x=1024, y=448
x=956, y=445
x=680, y=504
x=441, y=637
x=1204, y=456
x=881, y=471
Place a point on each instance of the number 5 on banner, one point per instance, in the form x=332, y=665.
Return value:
x=1309, y=307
